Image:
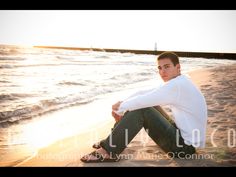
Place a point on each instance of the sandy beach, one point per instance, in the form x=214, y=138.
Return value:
x=219, y=87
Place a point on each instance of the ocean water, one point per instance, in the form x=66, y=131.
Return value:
x=37, y=81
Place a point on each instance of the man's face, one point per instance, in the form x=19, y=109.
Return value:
x=167, y=70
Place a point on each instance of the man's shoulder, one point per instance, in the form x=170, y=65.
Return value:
x=182, y=81
x=183, y=78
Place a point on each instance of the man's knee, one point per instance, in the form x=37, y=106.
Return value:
x=133, y=113
x=150, y=113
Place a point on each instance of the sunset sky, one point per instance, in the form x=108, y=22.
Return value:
x=177, y=30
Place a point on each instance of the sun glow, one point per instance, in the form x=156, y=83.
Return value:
x=61, y=124
x=41, y=133
x=181, y=30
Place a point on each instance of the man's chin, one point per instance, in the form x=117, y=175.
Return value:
x=165, y=79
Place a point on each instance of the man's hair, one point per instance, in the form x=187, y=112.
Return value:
x=171, y=55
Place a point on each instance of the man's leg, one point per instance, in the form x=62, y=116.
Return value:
x=165, y=133
x=97, y=144
x=158, y=108
x=158, y=127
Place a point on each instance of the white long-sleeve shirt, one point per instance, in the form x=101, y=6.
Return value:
x=186, y=102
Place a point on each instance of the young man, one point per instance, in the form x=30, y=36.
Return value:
x=178, y=138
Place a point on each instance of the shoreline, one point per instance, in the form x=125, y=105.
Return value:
x=217, y=84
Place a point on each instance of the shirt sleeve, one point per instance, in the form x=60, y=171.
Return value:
x=164, y=95
x=140, y=92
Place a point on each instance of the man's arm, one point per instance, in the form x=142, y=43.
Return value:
x=165, y=95
x=140, y=92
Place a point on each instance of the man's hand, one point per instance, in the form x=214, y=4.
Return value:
x=116, y=116
x=115, y=107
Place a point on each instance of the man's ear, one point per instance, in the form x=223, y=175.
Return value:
x=178, y=66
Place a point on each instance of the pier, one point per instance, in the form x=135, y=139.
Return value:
x=231, y=56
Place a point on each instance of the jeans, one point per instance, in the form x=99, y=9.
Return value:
x=162, y=131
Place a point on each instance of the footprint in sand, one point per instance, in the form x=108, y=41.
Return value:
x=224, y=120
x=207, y=85
x=217, y=110
x=221, y=129
x=129, y=151
x=214, y=125
x=136, y=142
x=150, y=151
